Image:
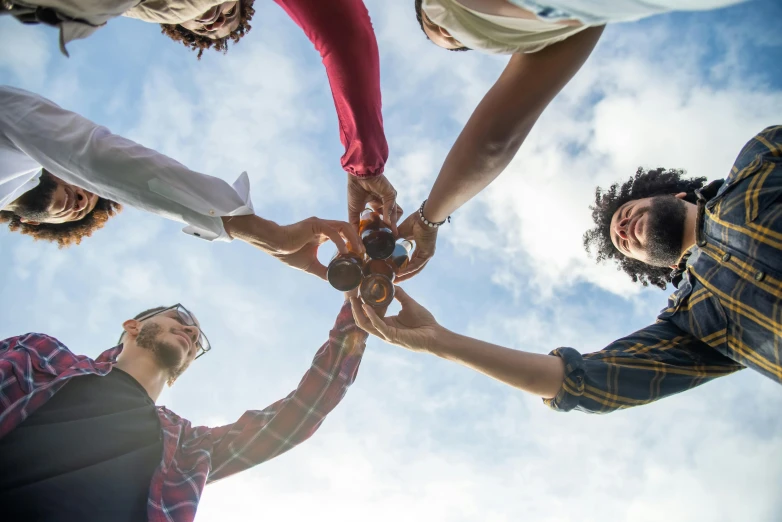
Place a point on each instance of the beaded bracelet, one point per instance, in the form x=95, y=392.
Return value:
x=428, y=223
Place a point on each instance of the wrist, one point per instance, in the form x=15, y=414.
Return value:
x=441, y=340
x=433, y=213
x=258, y=232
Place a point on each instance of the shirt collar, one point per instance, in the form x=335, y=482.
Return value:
x=110, y=355
x=703, y=195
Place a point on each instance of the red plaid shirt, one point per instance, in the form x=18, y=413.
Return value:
x=33, y=367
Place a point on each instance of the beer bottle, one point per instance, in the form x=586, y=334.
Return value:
x=376, y=236
x=344, y=271
x=401, y=255
x=377, y=287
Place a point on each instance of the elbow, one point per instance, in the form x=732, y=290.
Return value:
x=500, y=150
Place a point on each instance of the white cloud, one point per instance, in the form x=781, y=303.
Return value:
x=649, y=112
x=26, y=52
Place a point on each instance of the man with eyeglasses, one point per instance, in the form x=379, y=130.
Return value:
x=82, y=439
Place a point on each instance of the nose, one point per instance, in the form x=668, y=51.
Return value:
x=192, y=332
x=621, y=228
x=81, y=199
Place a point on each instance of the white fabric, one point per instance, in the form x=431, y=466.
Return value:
x=35, y=133
x=89, y=15
x=170, y=11
x=599, y=12
x=97, y=12
x=500, y=34
x=495, y=34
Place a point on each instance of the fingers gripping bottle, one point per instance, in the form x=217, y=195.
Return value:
x=377, y=237
x=377, y=288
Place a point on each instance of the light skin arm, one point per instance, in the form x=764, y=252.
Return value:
x=534, y=373
x=295, y=245
x=416, y=329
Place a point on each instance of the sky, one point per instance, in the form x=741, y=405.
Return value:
x=418, y=438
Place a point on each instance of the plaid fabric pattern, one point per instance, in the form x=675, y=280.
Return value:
x=726, y=313
x=33, y=367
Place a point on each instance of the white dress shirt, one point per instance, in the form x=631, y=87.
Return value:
x=35, y=133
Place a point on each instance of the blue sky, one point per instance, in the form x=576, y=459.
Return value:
x=419, y=438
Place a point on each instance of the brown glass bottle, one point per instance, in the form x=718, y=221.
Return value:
x=377, y=288
x=377, y=237
x=345, y=271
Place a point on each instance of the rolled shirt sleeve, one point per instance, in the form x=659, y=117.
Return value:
x=654, y=362
x=89, y=156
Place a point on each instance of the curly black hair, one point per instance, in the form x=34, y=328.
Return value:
x=200, y=43
x=419, y=16
x=645, y=184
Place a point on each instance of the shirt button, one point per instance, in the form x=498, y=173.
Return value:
x=759, y=276
x=211, y=212
x=726, y=257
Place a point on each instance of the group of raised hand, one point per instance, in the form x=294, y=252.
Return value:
x=62, y=177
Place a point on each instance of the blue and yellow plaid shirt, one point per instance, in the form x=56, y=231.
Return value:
x=726, y=313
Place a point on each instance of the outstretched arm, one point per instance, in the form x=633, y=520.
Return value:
x=495, y=131
x=260, y=435
x=503, y=119
x=416, y=329
x=654, y=362
x=342, y=33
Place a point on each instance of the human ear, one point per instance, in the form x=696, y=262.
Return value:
x=131, y=327
x=680, y=195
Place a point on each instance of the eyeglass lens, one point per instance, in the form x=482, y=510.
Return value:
x=203, y=344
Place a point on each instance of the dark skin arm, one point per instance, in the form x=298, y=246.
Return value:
x=494, y=133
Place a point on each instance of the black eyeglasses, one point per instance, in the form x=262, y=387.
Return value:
x=185, y=317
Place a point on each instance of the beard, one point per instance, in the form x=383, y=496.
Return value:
x=169, y=356
x=34, y=204
x=665, y=231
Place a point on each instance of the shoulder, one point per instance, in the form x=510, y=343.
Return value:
x=765, y=146
x=37, y=342
x=171, y=417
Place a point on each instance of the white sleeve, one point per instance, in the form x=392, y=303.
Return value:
x=88, y=155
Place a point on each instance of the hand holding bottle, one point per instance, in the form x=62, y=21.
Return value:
x=425, y=239
x=298, y=244
x=376, y=191
x=413, y=328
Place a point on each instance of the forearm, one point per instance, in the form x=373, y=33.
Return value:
x=503, y=119
x=265, y=434
x=254, y=230
x=342, y=33
x=480, y=154
x=538, y=374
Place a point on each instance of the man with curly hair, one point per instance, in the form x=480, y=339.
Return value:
x=62, y=177
x=724, y=240
x=340, y=30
